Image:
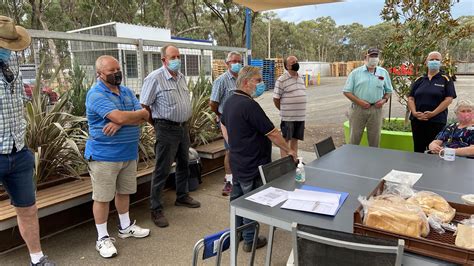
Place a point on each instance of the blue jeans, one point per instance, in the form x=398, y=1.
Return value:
x=16, y=176
x=240, y=188
x=172, y=142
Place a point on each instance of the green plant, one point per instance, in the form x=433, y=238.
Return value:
x=396, y=125
x=202, y=127
x=55, y=136
x=146, y=146
x=78, y=91
x=419, y=28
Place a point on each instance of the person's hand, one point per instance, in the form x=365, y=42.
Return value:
x=420, y=116
x=293, y=155
x=111, y=128
x=429, y=114
x=435, y=148
x=364, y=104
x=380, y=103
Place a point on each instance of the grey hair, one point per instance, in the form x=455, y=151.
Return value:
x=246, y=73
x=434, y=52
x=230, y=54
x=463, y=104
x=99, y=62
x=164, y=48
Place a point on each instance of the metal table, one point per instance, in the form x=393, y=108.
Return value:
x=283, y=218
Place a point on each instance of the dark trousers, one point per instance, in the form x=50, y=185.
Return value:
x=240, y=188
x=424, y=132
x=172, y=142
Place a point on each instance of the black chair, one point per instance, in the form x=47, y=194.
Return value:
x=316, y=246
x=270, y=172
x=324, y=147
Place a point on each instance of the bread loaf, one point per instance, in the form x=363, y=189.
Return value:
x=433, y=204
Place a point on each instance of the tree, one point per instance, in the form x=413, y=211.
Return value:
x=419, y=28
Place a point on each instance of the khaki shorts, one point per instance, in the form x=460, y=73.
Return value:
x=109, y=178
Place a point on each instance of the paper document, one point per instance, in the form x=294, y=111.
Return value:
x=402, y=177
x=270, y=196
x=312, y=201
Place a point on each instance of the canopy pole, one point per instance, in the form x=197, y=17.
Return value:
x=248, y=34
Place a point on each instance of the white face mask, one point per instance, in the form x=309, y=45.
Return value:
x=373, y=61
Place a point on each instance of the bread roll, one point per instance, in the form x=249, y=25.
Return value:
x=433, y=204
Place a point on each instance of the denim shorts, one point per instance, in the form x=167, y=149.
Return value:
x=16, y=176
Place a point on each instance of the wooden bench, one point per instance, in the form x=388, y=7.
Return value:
x=58, y=198
x=212, y=150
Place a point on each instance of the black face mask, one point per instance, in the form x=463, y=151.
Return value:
x=295, y=66
x=7, y=73
x=114, y=78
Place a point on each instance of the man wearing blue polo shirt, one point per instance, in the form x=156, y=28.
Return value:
x=113, y=115
x=369, y=88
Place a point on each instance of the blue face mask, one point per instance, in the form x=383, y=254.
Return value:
x=5, y=55
x=235, y=67
x=434, y=65
x=174, y=65
x=259, y=89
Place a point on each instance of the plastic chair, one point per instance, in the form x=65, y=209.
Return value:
x=316, y=246
x=218, y=242
x=270, y=172
x=324, y=147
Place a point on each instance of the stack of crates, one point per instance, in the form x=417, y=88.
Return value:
x=269, y=73
x=218, y=67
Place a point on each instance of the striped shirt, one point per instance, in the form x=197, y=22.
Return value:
x=167, y=97
x=292, y=94
x=121, y=147
x=223, y=87
x=12, y=120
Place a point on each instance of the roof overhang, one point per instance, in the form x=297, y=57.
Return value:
x=264, y=5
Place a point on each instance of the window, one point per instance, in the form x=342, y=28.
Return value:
x=183, y=64
x=145, y=64
x=156, y=61
x=206, y=65
x=192, y=65
x=131, y=65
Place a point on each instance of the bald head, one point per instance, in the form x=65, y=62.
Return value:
x=105, y=61
x=434, y=55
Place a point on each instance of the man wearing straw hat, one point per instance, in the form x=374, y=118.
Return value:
x=16, y=160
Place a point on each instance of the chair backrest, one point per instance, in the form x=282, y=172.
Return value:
x=275, y=169
x=324, y=147
x=316, y=246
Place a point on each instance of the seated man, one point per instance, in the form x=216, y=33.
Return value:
x=460, y=135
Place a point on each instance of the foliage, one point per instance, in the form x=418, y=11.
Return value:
x=55, y=136
x=78, y=91
x=419, y=28
x=202, y=127
x=396, y=125
x=146, y=145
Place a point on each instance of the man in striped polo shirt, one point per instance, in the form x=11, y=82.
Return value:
x=165, y=95
x=113, y=116
x=223, y=87
x=289, y=97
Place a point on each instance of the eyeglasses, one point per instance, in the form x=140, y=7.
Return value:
x=258, y=80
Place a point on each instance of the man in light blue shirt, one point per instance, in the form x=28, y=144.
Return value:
x=223, y=87
x=369, y=88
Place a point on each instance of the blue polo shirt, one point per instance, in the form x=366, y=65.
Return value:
x=428, y=94
x=247, y=129
x=368, y=86
x=123, y=146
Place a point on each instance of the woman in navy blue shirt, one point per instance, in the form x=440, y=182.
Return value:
x=428, y=102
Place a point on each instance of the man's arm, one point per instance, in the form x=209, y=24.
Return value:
x=356, y=100
x=277, y=139
x=150, y=118
x=277, y=101
x=214, y=107
x=128, y=117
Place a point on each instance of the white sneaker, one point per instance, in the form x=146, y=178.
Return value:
x=105, y=247
x=133, y=230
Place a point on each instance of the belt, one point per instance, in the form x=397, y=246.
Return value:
x=169, y=122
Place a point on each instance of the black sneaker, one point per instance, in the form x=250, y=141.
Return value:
x=261, y=242
x=44, y=261
x=187, y=201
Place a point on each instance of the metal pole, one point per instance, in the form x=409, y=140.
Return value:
x=248, y=34
x=269, y=49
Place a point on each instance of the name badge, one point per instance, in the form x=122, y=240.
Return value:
x=439, y=85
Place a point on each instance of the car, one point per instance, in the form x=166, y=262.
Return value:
x=28, y=73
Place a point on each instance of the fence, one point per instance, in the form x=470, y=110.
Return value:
x=56, y=52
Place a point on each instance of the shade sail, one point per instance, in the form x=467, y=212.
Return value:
x=263, y=5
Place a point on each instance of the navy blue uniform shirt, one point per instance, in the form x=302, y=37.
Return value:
x=429, y=94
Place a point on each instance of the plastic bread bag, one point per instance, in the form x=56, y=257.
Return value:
x=393, y=214
x=465, y=234
x=436, y=224
x=404, y=190
x=432, y=203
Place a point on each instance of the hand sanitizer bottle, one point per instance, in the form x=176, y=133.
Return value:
x=300, y=174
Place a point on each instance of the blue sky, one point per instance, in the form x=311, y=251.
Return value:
x=365, y=12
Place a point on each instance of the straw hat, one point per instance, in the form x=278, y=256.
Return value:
x=12, y=37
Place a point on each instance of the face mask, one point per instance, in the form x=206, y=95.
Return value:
x=295, y=66
x=464, y=118
x=5, y=55
x=373, y=61
x=114, y=78
x=259, y=90
x=174, y=65
x=434, y=65
x=235, y=67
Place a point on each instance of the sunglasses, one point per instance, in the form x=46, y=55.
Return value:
x=8, y=74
